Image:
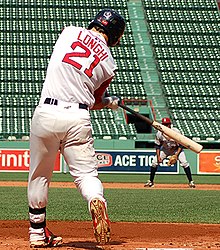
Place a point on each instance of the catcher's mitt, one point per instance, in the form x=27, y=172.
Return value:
x=172, y=160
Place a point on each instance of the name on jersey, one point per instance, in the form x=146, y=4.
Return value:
x=93, y=44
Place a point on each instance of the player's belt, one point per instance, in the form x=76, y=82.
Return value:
x=52, y=101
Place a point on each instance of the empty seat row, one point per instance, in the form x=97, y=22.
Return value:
x=183, y=28
x=128, y=90
x=31, y=63
x=34, y=28
x=196, y=114
x=16, y=111
x=166, y=15
x=19, y=87
x=22, y=100
x=22, y=63
x=181, y=4
x=199, y=128
x=185, y=40
x=202, y=78
x=127, y=65
x=187, y=53
x=193, y=102
x=191, y=90
x=54, y=14
x=110, y=128
x=188, y=65
x=15, y=126
x=29, y=31
x=129, y=77
x=22, y=76
x=102, y=114
x=121, y=52
x=46, y=12
x=68, y=3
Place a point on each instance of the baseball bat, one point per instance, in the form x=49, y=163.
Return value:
x=181, y=139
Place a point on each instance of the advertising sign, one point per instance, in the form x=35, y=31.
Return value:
x=18, y=160
x=209, y=162
x=133, y=161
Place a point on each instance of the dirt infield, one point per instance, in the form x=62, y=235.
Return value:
x=116, y=185
x=125, y=235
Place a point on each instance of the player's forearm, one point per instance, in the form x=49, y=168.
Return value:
x=178, y=151
x=158, y=153
x=98, y=106
x=105, y=101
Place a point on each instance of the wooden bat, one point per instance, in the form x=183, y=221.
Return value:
x=181, y=139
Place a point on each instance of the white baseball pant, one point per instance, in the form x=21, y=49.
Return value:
x=69, y=130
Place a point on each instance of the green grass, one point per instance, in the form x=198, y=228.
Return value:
x=151, y=205
x=125, y=178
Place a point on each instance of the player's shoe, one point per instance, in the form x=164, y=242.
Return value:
x=101, y=223
x=149, y=184
x=50, y=240
x=192, y=184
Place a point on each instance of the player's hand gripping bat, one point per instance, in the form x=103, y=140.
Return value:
x=181, y=139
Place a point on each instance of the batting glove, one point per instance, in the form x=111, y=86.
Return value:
x=112, y=102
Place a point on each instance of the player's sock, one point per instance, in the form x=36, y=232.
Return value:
x=37, y=217
x=153, y=171
x=188, y=173
x=37, y=223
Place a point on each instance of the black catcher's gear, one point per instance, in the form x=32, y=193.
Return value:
x=112, y=23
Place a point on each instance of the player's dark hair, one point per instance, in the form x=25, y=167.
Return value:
x=100, y=29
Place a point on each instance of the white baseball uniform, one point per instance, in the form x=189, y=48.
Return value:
x=168, y=147
x=80, y=69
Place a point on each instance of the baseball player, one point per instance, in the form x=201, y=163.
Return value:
x=166, y=147
x=79, y=72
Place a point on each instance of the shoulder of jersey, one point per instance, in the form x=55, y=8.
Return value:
x=159, y=133
x=175, y=129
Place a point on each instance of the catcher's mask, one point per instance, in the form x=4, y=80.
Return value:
x=166, y=121
x=112, y=23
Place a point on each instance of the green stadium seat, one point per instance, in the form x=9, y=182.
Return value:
x=185, y=40
x=191, y=90
x=29, y=31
